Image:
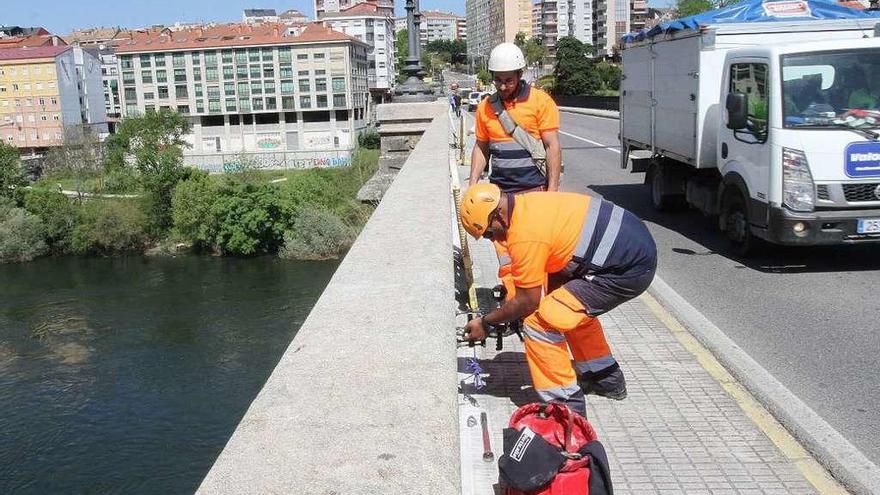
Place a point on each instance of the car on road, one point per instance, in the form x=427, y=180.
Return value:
x=474, y=98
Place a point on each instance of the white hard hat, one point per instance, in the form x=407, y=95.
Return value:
x=506, y=57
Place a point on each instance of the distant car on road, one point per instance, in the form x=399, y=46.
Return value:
x=473, y=100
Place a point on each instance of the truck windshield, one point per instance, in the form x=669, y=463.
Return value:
x=832, y=89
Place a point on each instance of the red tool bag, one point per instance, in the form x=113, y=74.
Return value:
x=550, y=450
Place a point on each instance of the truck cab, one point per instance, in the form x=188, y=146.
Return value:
x=797, y=149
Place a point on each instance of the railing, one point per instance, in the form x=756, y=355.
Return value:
x=595, y=102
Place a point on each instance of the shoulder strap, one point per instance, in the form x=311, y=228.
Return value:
x=534, y=146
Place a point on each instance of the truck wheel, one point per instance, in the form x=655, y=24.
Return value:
x=660, y=200
x=734, y=222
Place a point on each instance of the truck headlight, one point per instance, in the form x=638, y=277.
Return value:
x=797, y=181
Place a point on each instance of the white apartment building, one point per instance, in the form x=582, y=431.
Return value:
x=490, y=22
x=611, y=22
x=436, y=25
x=256, y=16
x=370, y=24
x=324, y=6
x=251, y=88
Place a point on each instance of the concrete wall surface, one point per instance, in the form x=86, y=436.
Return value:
x=364, y=399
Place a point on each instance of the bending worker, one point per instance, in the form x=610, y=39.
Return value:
x=596, y=256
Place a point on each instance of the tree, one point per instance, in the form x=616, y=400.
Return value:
x=154, y=141
x=81, y=154
x=575, y=74
x=520, y=40
x=11, y=174
x=450, y=51
x=534, y=51
x=402, y=53
x=685, y=8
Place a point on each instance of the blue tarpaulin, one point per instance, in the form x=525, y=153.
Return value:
x=757, y=11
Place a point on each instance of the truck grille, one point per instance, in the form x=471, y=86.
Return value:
x=822, y=192
x=856, y=193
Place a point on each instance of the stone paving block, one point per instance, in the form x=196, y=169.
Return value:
x=678, y=432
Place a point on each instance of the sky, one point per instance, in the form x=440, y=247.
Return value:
x=64, y=16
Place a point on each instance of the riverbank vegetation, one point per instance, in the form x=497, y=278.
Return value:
x=134, y=194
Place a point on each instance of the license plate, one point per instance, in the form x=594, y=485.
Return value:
x=869, y=226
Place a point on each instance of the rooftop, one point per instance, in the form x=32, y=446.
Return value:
x=260, y=13
x=362, y=9
x=31, y=53
x=229, y=35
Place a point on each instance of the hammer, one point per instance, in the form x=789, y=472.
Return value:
x=488, y=456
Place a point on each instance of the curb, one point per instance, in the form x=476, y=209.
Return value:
x=608, y=114
x=843, y=460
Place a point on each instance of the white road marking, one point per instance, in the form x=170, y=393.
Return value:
x=603, y=146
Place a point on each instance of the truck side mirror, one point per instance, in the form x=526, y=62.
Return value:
x=737, y=104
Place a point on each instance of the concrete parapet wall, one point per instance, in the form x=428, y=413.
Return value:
x=364, y=400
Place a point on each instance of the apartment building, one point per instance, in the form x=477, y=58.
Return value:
x=611, y=22
x=461, y=28
x=250, y=88
x=372, y=25
x=45, y=89
x=293, y=17
x=256, y=16
x=436, y=25
x=324, y=6
x=490, y=22
x=102, y=41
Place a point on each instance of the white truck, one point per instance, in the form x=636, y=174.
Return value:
x=771, y=127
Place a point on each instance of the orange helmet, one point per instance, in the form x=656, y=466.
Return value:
x=478, y=203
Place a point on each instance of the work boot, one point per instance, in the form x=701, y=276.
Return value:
x=607, y=382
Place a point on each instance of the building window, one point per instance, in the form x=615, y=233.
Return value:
x=127, y=78
x=199, y=91
x=244, y=89
x=342, y=116
x=255, y=72
x=200, y=106
x=228, y=72
x=184, y=109
x=257, y=103
x=268, y=72
x=211, y=59
x=56, y=117
x=178, y=60
x=256, y=88
x=197, y=73
x=42, y=101
x=302, y=56
x=241, y=72
x=214, y=92
x=304, y=85
x=241, y=57
x=180, y=75
x=303, y=73
x=305, y=102
x=163, y=92
x=268, y=55
x=149, y=96
x=131, y=110
x=230, y=104
x=214, y=106
x=318, y=56
x=124, y=61
x=161, y=76
x=320, y=85
x=339, y=101
x=147, y=77
x=288, y=102
x=254, y=55
x=211, y=74
x=271, y=104
x=54, y=101
x=229, y=89
x=322, y=101
x=130, y=94
x=160, y=60
x=287, y=87
x=197, y=60
x=227, y=58
x=338, y=84
x=284, y=55
x=286, y=72
x=181, y=92
x=44, y=118
x=269, y=87
x=244, y=104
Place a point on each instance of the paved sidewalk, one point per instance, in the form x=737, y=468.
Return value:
x=678, y=432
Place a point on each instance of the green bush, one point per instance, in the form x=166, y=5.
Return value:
x=120, y=180
x=191, y=210
x=109, y=226
x=57, y=213
x=369, y=139
x=21, y=235
x=317, y=235
x=250, y=218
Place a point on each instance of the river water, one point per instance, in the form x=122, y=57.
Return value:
x=128, y=375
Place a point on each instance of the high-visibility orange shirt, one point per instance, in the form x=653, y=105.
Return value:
x=544, y=231
x=532, y=109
